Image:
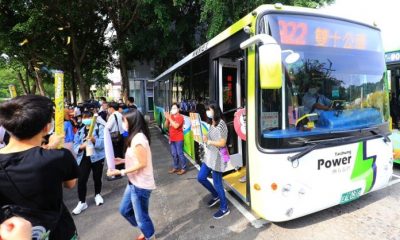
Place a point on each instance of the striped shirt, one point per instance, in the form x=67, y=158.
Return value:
x=212, y=158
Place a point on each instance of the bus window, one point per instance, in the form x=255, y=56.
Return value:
x=333, y=87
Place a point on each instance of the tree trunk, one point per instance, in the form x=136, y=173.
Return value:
x=39, y=82
x=84, y=90
x=124, y=76
x=21, y=81
x=27, y=80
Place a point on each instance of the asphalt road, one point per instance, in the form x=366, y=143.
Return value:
x=178, y=209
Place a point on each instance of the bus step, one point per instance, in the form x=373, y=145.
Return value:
x=394, y=180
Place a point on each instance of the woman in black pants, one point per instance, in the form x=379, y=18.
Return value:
x=89, y=161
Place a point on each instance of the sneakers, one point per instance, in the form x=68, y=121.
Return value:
x=213, y=201
x=79, y=208
x=220, y=214
x=98, y=199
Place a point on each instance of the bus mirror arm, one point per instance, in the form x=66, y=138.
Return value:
x=264, y=38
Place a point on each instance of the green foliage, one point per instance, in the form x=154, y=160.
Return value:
x=51, y=28
x=7, y=77
x=220, y=14
x=70, y=35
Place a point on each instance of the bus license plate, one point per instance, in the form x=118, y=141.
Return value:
x=350, y=196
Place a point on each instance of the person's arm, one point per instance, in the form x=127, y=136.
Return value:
x=68, y=169
x=141, y=154
x=16, y=228
x=176, y=124
x=218, y=143
x=99, y=140
x=54, y=141
x=70, y=183
x=167, y=117
x=77, y=142
x=223, y=130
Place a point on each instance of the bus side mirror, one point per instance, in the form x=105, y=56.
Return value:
x=270, y=66
x=270, y=60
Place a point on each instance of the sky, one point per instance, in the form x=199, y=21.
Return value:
x=385, y=13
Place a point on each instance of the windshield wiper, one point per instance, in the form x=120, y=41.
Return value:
x=314, y=144
x=385, y=136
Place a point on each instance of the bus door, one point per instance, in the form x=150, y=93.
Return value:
x=229, y=101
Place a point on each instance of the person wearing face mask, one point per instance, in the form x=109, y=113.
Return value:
x=216, y=139
x=175, y=121
x=31, y=176
x=114, y=126
x=134, y=206
x=89, y=160
x=313, y=101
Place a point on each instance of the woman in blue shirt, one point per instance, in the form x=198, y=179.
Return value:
x=86, y=163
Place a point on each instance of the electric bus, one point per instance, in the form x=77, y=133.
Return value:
x=313, y=95
x=392, y=58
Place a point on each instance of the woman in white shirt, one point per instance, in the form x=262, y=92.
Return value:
x=139, y=170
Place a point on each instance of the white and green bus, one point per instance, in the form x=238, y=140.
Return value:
x=298, y=158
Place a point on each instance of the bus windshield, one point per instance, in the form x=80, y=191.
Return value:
x=334, y=80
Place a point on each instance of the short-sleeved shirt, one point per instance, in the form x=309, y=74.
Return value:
x=310, y=99
x=142, y=178
x=212, y=158
x=38, y=174
x=112, y=124
x=176, y=134
x=69, y=131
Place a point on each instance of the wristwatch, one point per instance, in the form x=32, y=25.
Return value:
x=122, y=172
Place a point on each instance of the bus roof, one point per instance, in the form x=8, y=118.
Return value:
x=245, y=21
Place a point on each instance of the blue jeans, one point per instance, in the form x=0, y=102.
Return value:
x=218, y=189
x=135, y=208
x=177, y=155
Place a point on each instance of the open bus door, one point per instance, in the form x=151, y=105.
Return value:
x=230, y=100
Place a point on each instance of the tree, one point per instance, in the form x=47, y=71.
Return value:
x=220, y=14
x=62, y=35
x=122, y=14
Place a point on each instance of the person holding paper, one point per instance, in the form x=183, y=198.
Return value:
x=89, y=148
x=139, y=170
x=216, y=139
x=175, y=121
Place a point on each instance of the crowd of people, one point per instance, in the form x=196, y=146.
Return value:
x=34, y=170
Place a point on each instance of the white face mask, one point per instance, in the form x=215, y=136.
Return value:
x=51, y=127
x=209, y=114
x=174, y=111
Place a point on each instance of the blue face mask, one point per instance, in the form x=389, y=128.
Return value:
x=87, y=121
